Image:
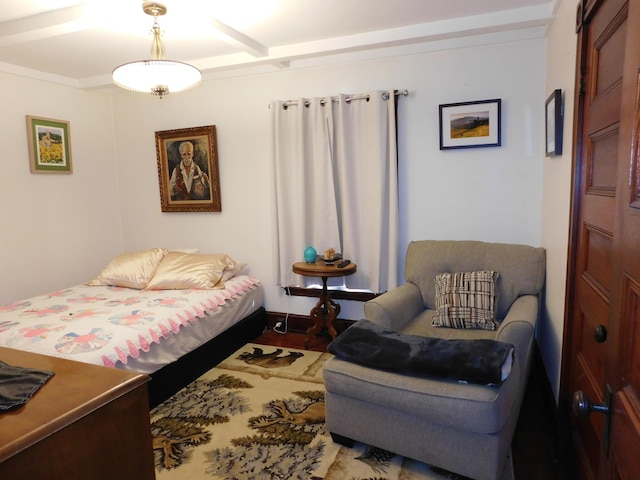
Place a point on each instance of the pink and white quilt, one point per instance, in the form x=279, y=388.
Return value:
x=106, y=325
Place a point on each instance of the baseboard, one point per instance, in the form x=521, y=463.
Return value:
x=295, y=323
x=299, y=323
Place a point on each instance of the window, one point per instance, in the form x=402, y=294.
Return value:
x=335, y=186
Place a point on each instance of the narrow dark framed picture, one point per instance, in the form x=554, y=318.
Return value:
x=49, y=145
x=188, y=169
x=554, y=119
x=471, y=124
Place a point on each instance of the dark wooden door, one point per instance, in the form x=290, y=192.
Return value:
x=601, y=357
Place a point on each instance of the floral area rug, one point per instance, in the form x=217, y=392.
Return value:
x=259, y=415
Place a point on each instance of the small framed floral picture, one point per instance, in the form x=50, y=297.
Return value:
x=49, y=145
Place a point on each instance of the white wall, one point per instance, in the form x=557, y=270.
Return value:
x=556, y=193
x=56, y=230
x=491, y=194
x=59, y=230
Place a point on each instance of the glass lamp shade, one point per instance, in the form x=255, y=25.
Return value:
x=158, y=77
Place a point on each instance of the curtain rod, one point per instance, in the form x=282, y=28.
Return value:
x=363, y=96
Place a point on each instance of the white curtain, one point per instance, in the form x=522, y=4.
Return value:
x=335, y=185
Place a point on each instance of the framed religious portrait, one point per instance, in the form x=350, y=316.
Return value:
x=470, y=124
x=49, y=145
x=188, y=169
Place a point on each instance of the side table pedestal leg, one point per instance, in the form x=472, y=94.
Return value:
x=323, y=314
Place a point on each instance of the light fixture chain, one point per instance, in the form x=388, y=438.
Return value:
x=157, y=47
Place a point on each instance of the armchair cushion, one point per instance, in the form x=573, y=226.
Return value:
x=481, y=361
x=466, y=300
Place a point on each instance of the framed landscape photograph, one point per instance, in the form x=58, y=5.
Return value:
x=470, y=124
x=49, y=145
x=188, y=169
x=553, y=124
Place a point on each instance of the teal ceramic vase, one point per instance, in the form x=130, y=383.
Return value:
x=310, y=255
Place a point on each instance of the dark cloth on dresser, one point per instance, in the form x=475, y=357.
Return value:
x=18, y=384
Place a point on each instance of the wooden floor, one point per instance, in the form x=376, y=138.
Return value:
x=535, y=444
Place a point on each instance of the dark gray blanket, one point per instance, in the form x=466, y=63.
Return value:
x=18, y=384
x=475, y=361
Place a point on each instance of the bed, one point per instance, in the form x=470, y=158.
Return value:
x=171, y=315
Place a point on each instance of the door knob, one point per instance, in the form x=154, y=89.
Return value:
x=583, y=406
x=600, y=333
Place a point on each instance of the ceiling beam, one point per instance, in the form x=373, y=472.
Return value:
x=238, y=40
x=79, y=17
x=46, y=25
x=433, y=32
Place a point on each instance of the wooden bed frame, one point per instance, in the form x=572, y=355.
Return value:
x=175, y=376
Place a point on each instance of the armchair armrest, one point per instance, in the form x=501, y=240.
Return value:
x=395, y=308
x=518, y=328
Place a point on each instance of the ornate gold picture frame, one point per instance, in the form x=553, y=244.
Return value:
x=188, y=169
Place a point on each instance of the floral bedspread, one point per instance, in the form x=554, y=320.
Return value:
x=106, y=325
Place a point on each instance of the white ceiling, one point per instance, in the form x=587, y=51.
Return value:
x=80, y=42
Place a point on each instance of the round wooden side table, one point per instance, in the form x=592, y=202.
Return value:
x=326, y=310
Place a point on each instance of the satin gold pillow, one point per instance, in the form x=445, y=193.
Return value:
x=231, y=272
x=180, y=271
x=131, y=270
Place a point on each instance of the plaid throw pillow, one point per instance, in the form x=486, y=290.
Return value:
x=466, y=300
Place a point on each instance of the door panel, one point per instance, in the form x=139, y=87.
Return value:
x=623, y=360
x=625, y=464
x=602, y=43
x=602, y=174
x=608, y=54
x=604, y=274
x=597, y=259
x=597, y=211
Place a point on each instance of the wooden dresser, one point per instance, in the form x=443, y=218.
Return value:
x=87, y=423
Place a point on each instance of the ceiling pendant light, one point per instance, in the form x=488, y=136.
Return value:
x=156, y=76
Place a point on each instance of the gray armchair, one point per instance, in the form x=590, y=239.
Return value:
x=461, y=427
